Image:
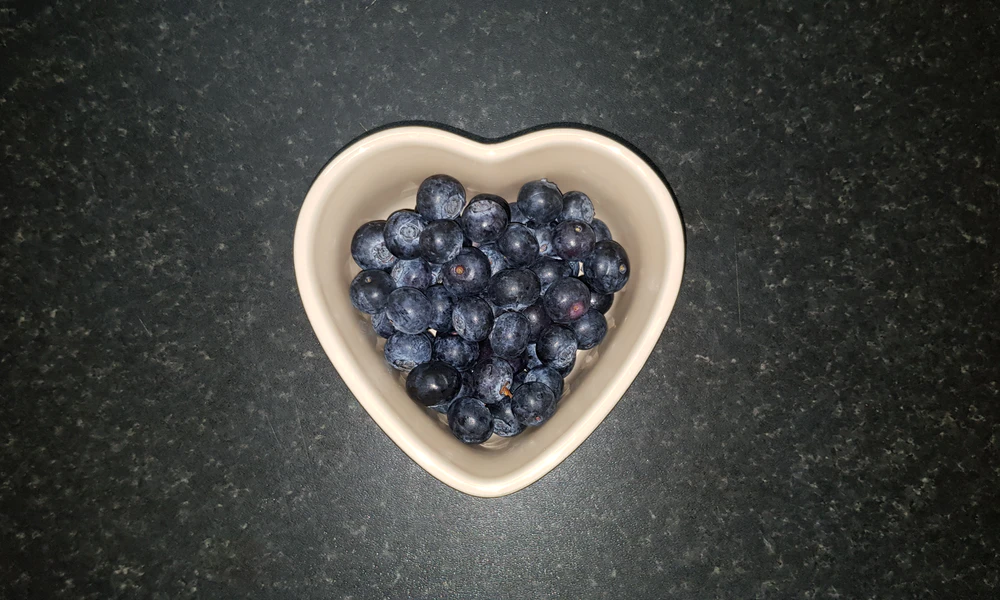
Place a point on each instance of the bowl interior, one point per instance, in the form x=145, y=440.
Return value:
x=380, y=174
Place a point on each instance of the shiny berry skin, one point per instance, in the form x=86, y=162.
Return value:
x=409, y=310
x=556, y=347
x=404, y=351
x=468, y=274
x=441, y=307
x=456, y=351
x=567, y=300
x=550, y=269
x=472, y=318
x=433, y=382
x=514, y=288
x=577, y=206
x=538, y=320
x=370, y=290
x=600, y=230
x=368, y=247
x=549, y=377
x=573, y=240
x=414, y=273
x=485, y=218
x=498, y=262
x=493, y=380
x=465, y=391
x=402, y=233
x=470, y=420
x=607, y=268
x=440, y=241
x=440, y=197
x=589, y=329
x=509, y=338
x=382, y=326
x=505, y=424
x=601, y=302
x=519, y=245
x=540, y=201
x=533, y=404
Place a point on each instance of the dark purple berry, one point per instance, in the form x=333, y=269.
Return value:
x=433, y=383
x=368, y=247
x=440, y=197
x=402, y=233
x=370, y=290
x=567, y=300
x=607, y=268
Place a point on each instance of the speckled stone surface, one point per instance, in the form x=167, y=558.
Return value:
x=819, y=419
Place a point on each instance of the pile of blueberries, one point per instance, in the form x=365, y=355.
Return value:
x=483, y=303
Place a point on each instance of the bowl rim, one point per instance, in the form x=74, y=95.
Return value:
x=496, y=150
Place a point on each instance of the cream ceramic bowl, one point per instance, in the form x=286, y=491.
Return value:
x=379, y=174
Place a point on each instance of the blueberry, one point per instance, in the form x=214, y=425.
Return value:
x=485, y=218
x=467, y=390
x=516, y=216
x=600, y=230
x=533, y=404
x=440, y=197
x=409, y=310
x=470, y=421
x=468, y=274
x=382, y=326
x=543, y=235
x=493, y=380
x=368, y=247
x=607, y=268
x=589, y=329
x=498, y=262
x=402, y=233
x=573, y=240
x=540, y=201
x=577, y=207
x=505, y=424
x=456, y=351
x=414, y=273
x=556, y=347
x=567, y=300
x=538, y=320
x=514, y=288
x=549, y=270
x=472, y=318
x=601, y=302
x=519, y=245
x=509, y=338
x=441, y=241
x=433, y=382
x=370, y=290
x=549, y=377
x=404, y=351
x=441, y=307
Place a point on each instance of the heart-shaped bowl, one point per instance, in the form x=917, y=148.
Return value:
x=379, y=173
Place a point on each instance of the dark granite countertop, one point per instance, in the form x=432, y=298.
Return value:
x=819, y=418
